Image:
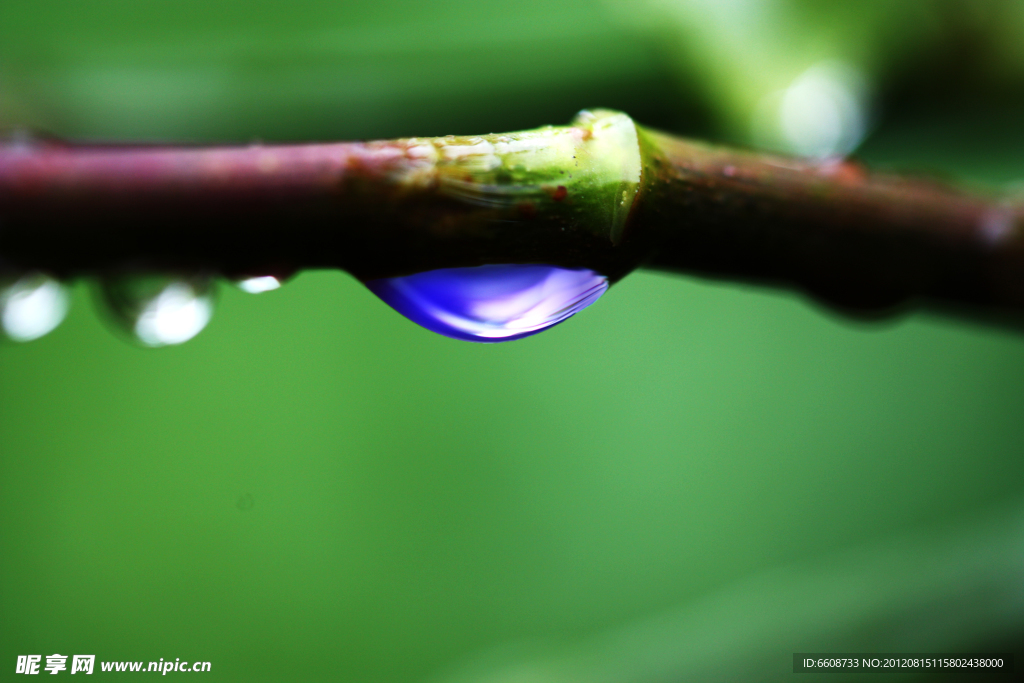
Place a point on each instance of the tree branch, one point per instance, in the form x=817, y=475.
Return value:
x=601, y=193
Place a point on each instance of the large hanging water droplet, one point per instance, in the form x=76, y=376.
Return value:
x=160, y=310
x=491, y=303
x=32, y=306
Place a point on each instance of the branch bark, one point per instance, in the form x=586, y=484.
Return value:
x=867, y=244
x=601, y=193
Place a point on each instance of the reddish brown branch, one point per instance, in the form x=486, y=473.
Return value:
x=861, y=242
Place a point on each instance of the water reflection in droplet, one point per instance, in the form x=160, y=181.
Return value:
x=160, y=310
x=258, y=285
x=32, y=306
x=491, y=303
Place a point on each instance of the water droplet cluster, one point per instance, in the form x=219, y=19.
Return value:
x=490, y=303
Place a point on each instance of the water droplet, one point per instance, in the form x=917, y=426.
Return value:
x=260, y=284
x=160, y=310
x=32, y=306
x=491, y=303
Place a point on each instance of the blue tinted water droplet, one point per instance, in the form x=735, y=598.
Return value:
x=31, y=306
x=160, y=310
x=491, y=303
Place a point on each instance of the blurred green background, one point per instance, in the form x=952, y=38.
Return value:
x=688, y=481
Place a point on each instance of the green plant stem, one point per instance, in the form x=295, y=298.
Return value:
x=601, y=193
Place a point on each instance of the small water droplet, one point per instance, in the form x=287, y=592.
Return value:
x=260, y=284
x=160, y=310
x=491, y=303
x=31, y=306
